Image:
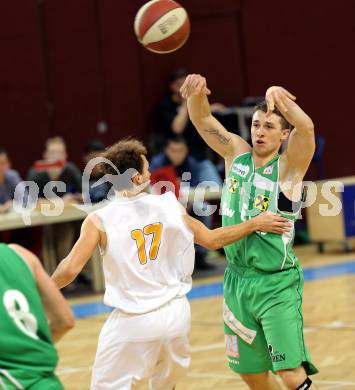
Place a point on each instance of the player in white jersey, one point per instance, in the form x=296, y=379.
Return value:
x=147, y=245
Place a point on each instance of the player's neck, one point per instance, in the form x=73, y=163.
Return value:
x=132, y=194
x=260, y=161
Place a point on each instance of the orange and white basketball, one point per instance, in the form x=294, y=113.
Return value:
x=162, y=26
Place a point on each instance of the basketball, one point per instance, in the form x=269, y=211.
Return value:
x=162, y=26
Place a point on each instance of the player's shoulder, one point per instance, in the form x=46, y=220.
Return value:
x=27, y=256
x=168, y=196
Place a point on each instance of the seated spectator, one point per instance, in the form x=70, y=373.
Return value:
x=176, y=155
x=100, y=192
x=55, y=167
x=9, y=179
x=173, y=119
x=65, y=171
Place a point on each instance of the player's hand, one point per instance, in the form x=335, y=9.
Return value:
x=272, y=223
x=194, y=84
x=277, y=96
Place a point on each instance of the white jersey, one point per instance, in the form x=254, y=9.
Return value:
x=149, y=257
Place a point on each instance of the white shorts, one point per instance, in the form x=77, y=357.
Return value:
x=133, y=348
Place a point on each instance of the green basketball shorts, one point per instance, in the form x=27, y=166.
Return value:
x=50, y=382
x=263, y=321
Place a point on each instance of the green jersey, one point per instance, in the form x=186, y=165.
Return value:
x=246, y=193
x=27, y=354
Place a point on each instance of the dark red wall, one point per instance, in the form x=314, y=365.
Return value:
x=66, y=65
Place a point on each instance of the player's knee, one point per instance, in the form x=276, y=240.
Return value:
x=293, y=378
x=255, y=379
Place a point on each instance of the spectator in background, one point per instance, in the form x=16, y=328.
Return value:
x=68, y=173
x=99, y=193
x=9, y=179
x=173, y=117
x=57, y=168
x=176, y=155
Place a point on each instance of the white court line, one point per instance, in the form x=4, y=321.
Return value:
x=208, y=347
x=73, y=370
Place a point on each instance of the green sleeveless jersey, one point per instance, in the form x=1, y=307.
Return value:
x=27, y=353
x=247, y=192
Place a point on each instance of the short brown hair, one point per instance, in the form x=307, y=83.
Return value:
x=125, y=154
x=262, y=106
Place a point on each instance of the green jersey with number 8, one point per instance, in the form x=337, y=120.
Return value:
x=27, y=353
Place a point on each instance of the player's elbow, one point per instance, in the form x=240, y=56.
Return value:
x=213, y=243
x=72, y=273
x=63, y=323
x=69, y=322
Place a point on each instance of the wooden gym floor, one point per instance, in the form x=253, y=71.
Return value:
x=329, y=318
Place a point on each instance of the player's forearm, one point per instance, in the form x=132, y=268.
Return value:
x=227, y=235
x=212, y=132
x=198, y=108
x=65, y=273
x=297, y=117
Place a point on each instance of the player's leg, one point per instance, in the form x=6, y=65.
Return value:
x=282, y=324
x=246, y=345
x=123, y=365
x=127, y=351
x=174, y=359
x=297, y=379
x=262, y=381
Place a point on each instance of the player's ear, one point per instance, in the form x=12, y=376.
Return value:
x=285, y=133
x=137, y=179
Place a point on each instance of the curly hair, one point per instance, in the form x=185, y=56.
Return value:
x=125, y=154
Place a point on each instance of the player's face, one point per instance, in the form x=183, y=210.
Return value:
x=4, y=164
x=267, y=133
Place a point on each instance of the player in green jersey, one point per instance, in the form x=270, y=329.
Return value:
x=263, y=281
x=33, y=313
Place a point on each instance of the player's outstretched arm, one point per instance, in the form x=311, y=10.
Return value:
x=69, y=268
x=58, y=311
x=220, y=237
x=226, y=144
x=301, y=144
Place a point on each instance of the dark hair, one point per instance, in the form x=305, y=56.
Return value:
x=3, y=151
x=94, y=145
x=262, y=106
x=125, y=154
x=176, y=138
x=177, y=74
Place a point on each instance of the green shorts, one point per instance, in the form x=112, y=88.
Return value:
x=50, y=382
x=263, y=321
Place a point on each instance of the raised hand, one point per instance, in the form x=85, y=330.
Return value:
x=194, y=84
x=277, y=96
